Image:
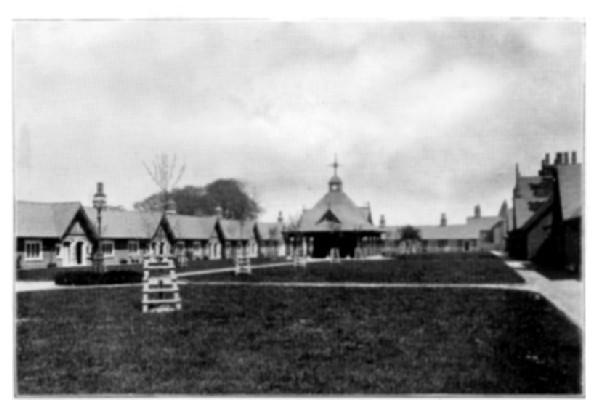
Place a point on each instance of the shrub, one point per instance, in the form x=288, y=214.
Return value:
x=86, y=277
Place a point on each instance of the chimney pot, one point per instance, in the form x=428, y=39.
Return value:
x=443, y=220
x=477, y=211
x=382, y=221
x=557, y=159
x=565, y=157
x=574, y=157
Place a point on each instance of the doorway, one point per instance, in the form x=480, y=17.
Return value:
x=79, y=253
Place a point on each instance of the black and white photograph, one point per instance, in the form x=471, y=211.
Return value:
x=318, y=207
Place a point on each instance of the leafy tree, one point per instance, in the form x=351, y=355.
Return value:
x=229, y=194
x=411, y=237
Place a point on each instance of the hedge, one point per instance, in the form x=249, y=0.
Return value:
x=86, y=277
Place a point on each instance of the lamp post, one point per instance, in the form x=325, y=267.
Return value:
x=99, y=204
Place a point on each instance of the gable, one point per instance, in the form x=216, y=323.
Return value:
x=329, y=217
x=76, y=229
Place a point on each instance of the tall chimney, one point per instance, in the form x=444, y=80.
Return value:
x=565, y=157
x=574, y=157
x=477, y=212
x=382, y=221
x=547, y=159
x=443, y=220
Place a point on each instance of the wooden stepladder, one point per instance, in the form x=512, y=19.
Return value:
x=160, y=291
x=242, y=265
x=334, y=256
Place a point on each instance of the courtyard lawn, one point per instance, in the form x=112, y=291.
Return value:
x=270, y=340
x=425, y=268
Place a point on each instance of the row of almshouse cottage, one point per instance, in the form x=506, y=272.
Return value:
x=65, y=234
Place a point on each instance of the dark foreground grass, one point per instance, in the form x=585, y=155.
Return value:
x=426, y=268
x=272, y=340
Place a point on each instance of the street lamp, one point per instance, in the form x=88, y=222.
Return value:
x=99, y=204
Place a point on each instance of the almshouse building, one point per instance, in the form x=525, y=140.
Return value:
x=548, y=212
x=66, y=235
x=47, y=234
x=128, y=236
x=269, y=237
x=478, y=233
x=335, y=225
x=195, y=237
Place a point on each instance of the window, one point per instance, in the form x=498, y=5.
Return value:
x=33, y=250
x=442, y=243
x=180, y=247
x=108, y=248
x=133, y=247
x=197, y=247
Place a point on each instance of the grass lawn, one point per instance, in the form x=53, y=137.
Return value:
x=428, y=268
x=237, y=339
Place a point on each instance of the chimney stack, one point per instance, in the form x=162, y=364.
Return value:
x=547, y=159
x=280, y=217
x=171, y=207
x=557, y=159
x=477, y=212
x=565, y=158
x=443, y=220
x=382, y=221
x=219, y=211
x=574, y=157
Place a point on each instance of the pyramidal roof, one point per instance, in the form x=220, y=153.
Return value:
x=335, y=211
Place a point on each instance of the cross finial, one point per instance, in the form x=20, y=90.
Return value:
x=335, y=165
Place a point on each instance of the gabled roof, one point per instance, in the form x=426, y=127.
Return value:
x=527, y=195
x=569, y=190
x=236, y=229
x=539, y=213
x=187, y=227
x=44, y=220
x=126, y=224
x=469, y=231
x=350, y=217
x=270, y=231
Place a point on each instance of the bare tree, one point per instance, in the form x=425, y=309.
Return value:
x=165, y=173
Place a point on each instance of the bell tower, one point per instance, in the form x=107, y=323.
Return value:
x=335, y=182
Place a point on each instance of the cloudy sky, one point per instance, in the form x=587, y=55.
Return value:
x=425, y=117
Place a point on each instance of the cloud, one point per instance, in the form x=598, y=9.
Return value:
x=425, y=117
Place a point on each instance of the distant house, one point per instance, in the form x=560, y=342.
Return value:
x=269, y=237
x=128, y=236
x=551, y=235
x=58, y=234
x=237, y=238
x=195, y=237
x=478, y=233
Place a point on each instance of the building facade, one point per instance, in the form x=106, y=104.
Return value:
x=549, y=231
x=334, y=226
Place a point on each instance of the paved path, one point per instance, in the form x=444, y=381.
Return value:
x=566, y=295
